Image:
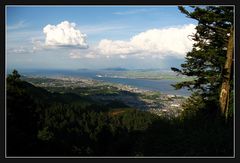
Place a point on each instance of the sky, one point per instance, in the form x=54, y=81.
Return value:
x=95, y=37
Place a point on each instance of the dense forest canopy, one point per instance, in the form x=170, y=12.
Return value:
x=41, y=123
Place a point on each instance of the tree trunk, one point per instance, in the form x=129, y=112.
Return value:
x=225, y=88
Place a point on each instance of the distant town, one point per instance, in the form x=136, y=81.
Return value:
x=167, y=105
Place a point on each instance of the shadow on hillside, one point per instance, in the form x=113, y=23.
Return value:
x=41, y=123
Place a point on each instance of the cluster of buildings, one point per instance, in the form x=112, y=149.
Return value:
x=159, y=104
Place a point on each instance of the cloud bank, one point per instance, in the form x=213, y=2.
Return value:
x=157, y=43
x=64, y=34
x=19, y=50
x=78, y=54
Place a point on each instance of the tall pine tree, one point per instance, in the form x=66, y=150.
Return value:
x=211, y=58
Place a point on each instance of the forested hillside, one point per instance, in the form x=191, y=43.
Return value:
x=40, y=123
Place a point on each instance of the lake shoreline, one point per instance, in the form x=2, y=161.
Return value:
x=156, y=102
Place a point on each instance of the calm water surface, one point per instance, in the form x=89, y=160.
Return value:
x=163, y=86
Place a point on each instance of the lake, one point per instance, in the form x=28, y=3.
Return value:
x=163, y=86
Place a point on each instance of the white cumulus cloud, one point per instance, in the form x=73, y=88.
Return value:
x=63, y=35
x=109, y=47
x=157, y=43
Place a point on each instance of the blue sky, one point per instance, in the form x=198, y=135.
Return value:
x=73, y=37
